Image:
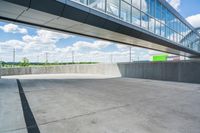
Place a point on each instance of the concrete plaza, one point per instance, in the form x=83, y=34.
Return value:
x=75, y=103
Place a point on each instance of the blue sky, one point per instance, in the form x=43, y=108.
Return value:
x=189, y=7
x=35, y=43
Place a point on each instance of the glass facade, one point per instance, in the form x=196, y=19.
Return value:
x=152, y=16
x=198, y=30
x=97, y=5
x=192, y=41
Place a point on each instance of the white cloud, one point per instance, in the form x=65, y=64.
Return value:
x=12, y=44
x=95, y=45
x=78, y=47
x=12, y=28
x=93, y=51
x=122, y=47
x=194, y=20
x=43, y=40
x=46, y=37
x=175, y=3
x=153, y=52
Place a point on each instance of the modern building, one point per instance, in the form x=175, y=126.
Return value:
x=152, y=24
x=198, y=29
x=191, y=40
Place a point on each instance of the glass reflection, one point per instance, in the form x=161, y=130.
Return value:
x=97, y=4
x=144, y=21
x=136, y=3
x=125, y=12
x=150, y=15
x=136, y=16
x=113, y=7
x=81, y=1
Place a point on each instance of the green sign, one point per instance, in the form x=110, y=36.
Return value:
x=160, y=58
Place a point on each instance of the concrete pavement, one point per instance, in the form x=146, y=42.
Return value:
x=11, y=114
x=82, y=104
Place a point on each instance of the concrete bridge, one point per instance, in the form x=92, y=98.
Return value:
x=118, y=21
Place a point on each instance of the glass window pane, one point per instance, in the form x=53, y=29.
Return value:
x=152, y=8
x=175, y=37
x=171, y=35
x=135, y=16
x=152, y=25
x=81, y=1
x=168, y=18
x=158, y=10
x=167, y=33
x=126, y=12
x=145, y=21
x=136, y=3
x=179, y=38
x=113, y=7
x=158, y=27
x=145, y=6
x=128, y=1
x=171, y=23
x=97, y=4
x=163, y=17
x=198, y=45
x=176, y=24
x=179, y=29
x=162, y=30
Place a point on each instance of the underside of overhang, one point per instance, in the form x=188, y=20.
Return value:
x=77, y=19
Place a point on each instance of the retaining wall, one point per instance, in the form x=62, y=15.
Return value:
x=182, y=71
x=107, y=69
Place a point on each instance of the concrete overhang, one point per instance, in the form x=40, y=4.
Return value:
x=71, y=17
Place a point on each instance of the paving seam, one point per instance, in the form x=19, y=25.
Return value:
x=86, y=114
x=30, y=121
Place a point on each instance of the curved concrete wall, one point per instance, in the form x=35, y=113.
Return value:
x=183, y=71
x=107, y=69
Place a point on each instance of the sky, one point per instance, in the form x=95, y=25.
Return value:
x=39, y=44
x=189, y=9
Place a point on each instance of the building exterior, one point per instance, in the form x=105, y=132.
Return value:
x=191, y=40
x=198, y=29
x=156, y=16
x=151, y=24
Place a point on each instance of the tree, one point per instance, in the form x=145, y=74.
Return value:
x=24, y=62
x=2, y=63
